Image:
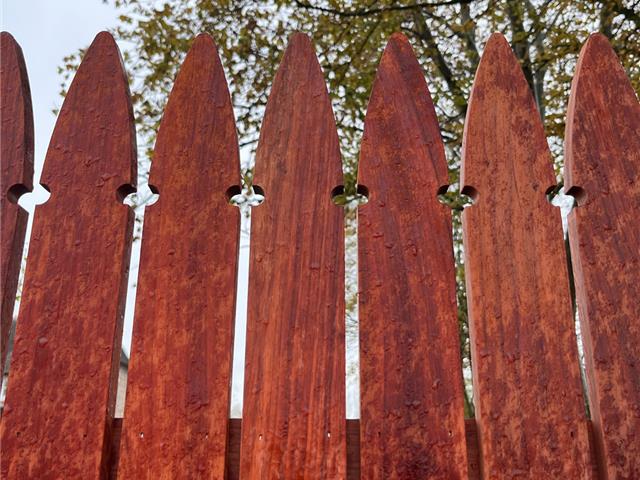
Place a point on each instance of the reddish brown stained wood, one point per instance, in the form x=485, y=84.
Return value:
x=65, y=360
x=603, y=159
x=233, y=449
x=16, y=174
x=177, y=405
x=412, y=416
x=235, y=434
x=353, y=448
x=473, y=451
x=528, y=396
x=294, y=400
x=116, y=436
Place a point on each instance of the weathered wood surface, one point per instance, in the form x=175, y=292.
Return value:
x=294, y=397
x=353, y=448
x=114, y=458
x=473, y=449
x=64, y=368
x=412, y=415
x=528, y=394
x=603, y=170
x=177, y=406
x=16, y=174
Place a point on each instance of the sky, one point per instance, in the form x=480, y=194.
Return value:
x=47, y=31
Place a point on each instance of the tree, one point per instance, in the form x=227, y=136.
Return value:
x=447, y=35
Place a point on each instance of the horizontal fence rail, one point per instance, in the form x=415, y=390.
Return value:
x=58, y=419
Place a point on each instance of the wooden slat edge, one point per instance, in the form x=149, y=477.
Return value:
x=602, y=170
x=294, y=396
x=16, y=175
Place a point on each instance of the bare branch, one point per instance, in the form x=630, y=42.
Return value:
x=424, y=33
x=374, y=11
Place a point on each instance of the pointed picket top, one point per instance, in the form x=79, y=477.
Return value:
x=185, y=303
x=602, y=170
x=99, y=89
x=527, y=387
x=16, y=174
x=299, y=83
x=400, y=91
x=502, y=108
x=601, y=87
x=410, y=371
x=294, y=397
x=201, y=79
x=64, y=368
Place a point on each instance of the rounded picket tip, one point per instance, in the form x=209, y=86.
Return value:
x=103, y=38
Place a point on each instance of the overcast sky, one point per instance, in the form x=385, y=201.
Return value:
x=47, y=30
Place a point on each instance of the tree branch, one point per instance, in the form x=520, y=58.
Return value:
x=424, y=33
x=520, y=40
x=469, y=35
x=629, y=14
x=539, y=67
x=361, y=12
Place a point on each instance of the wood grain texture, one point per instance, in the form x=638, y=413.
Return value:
x=603, y=159
x=16, y=174
x=65, y=360
x=116, y=437
x=527, y=389
x=353, y=448
x=473, y=449
x=177, y=405
x=412, y=416
x=294, y=397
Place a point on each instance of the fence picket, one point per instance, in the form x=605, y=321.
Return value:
x=530, y=415
x=16, y=174
x=527, y=390
x=603, y=170
x=177, y=406
x=294, y=405
x=412, y=417
x=64, y=369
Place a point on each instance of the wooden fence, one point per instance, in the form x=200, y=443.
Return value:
x=531, y=421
